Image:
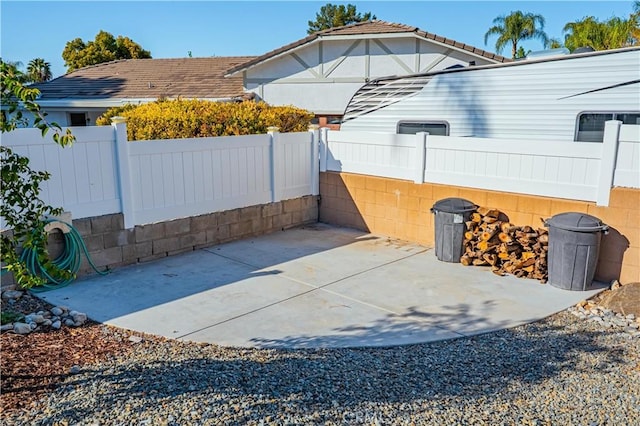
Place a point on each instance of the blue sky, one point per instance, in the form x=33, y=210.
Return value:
x=169, y=29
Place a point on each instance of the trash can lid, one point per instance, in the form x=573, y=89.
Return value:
x=579, y=222
x=454, y=205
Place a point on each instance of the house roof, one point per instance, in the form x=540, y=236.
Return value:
x=149, y=79
x=364, y=28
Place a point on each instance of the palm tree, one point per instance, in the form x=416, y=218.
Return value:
x=516, y=27
x=39, y=70
x=611, y=34
x=13, y=70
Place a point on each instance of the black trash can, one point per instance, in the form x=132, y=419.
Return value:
x=574, y=246
x=451, y=215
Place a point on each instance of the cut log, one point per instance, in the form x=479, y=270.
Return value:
x=491, y=259
x=491, y=239
x=505, y=237
x=526, y=255
x=484, y=246
x=488, y=234
x=508, y=227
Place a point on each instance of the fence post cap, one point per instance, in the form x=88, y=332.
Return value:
x=118, y=120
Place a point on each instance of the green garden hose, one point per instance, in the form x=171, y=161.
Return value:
x=69, y=260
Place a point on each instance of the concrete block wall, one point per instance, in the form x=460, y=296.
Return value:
x=111, y=246
x=401, y=209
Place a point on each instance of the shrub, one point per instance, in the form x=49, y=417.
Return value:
x=195, y=118
x=105, y=119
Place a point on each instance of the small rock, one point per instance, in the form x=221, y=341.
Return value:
x=615, y=284
x=74, y=370
x=33, y=325
x=6, y=327
x=581, y=304
x=631, y=317
x=34, y=318
x=135, y=339
x=79, y=318
x=12, y=294
x=56, y=311
x=21, y=328
x=69, y=322
x=47, y=322
x=72, y=313
x=56, y=325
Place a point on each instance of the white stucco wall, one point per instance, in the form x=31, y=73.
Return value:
x=323, y=76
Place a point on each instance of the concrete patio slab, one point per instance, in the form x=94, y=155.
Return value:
x=317, y=286
x=351, y=253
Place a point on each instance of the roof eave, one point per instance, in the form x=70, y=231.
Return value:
x=460, y=47
x=110, y=103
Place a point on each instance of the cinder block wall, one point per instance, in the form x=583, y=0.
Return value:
x=401, y=209
x=112, y=246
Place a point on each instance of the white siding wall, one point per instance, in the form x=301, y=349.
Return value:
x=539, y=100
x=334, y=70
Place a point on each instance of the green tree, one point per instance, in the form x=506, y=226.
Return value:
x=610, y=34
x=21, y=209
x=331, y=15
x=516, y=27
x=12, y=69
x=38, y=71
x=104, y=48
x=554, y=43
x=521, y=53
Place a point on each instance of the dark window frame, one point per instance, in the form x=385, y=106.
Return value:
x=76, y=114
x=614, y=116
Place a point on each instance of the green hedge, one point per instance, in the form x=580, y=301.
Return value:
x=194, y=118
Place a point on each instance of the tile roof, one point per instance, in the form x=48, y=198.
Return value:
x=368, y=27
x=149, y=78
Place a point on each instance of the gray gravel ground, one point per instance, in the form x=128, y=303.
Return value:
x=560, y=371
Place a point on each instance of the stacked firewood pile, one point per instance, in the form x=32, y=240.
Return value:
x=491, y=240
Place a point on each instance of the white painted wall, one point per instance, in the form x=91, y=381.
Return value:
x=333, y=70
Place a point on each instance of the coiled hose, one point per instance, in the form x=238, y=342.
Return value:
x=68, y=260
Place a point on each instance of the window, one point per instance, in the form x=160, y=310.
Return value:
x=78, y=119
x=591, y=124
x=437, y=128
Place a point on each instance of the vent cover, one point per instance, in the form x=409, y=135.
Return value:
x=380, y=93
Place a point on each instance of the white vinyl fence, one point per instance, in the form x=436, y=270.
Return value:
x=152, y=181
x=572, y=170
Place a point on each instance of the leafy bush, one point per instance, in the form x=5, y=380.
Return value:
x=195, y=118
x=21, y=208
x=105, y=119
